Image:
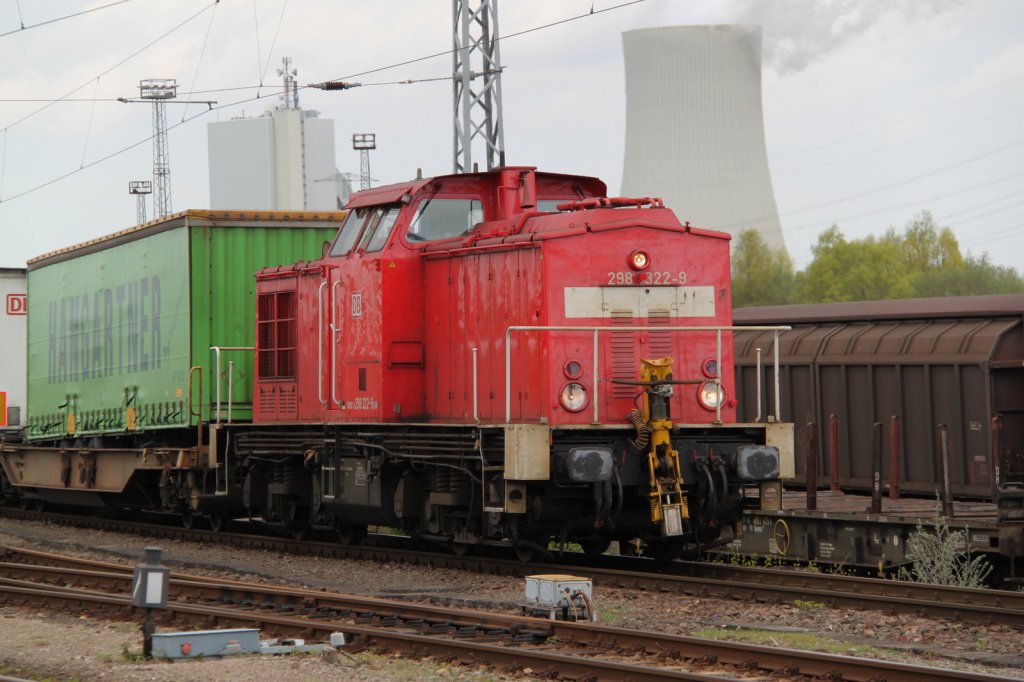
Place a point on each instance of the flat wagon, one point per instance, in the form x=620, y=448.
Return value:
x=125, y=332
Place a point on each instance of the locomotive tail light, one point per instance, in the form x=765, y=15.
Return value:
x=639, y=260
x=573, y=369
x=710, y=395
x=710, y=368
x=573, y=396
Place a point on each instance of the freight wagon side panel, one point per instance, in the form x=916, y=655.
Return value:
x=13, y=330
x=925, y=372
x=109, y=331
x=224, y=261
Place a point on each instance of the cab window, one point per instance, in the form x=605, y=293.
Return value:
x=371, y=227
x=550, y=205
x=443, y=218
x=383, y=229
x=350, y=231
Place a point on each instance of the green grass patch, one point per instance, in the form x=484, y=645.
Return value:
x=793, y=640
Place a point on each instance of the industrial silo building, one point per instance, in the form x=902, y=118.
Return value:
x=694, y=126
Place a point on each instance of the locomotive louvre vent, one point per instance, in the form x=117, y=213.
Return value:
x=268, y=399
x=286, y=399
x=660, y=342
x=624, y=365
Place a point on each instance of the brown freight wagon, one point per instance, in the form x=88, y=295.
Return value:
x=957, y=362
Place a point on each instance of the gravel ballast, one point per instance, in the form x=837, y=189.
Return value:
x=38, y=645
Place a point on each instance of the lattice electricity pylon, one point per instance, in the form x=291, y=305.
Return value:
x=158, y=90
x=140, y=188
x=477, y=111
x=363, y=143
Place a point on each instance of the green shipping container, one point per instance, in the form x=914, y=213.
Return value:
x=120, y=328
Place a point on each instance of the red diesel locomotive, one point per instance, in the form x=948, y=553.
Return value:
x=507, y=358
x=504, y=358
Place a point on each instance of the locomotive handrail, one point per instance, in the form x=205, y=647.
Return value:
x=320, y=344
x=335, y=330
x=598, y=329
x=217, y=350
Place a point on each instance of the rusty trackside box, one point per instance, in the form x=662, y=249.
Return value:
x=550, y=590
x=206, y=643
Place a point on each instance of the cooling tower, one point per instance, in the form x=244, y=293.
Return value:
x=694, y=128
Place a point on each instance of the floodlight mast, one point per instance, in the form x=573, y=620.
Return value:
x=477, y=113
x=159, y=90
x=363, y=143
x=140, y=188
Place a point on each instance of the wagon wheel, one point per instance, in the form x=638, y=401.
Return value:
x=780, y=534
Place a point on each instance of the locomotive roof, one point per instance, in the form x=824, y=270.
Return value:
x=996, y=305
x=190, y=217
x=390, y=194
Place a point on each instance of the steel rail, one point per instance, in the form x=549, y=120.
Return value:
x=687, y=578
x=588, y=636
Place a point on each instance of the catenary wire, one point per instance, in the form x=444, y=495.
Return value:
x=115, y=66
x=130, y=146
x=280, y=20
x=252, y=99
x=199, y=61
x=500, y=38
x=55, y=20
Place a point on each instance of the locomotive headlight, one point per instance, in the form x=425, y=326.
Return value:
x=638, y=260
x=710, y=368
x=573, y=396
x=573, y=369
x=710, y=395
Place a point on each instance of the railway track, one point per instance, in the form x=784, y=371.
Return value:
x=705, y=580
x=579, y=650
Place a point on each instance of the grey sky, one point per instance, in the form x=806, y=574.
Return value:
x=873, y=110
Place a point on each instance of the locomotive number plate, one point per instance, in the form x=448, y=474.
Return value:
x=627, y=277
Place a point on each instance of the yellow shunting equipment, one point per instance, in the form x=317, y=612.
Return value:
x=668, y=503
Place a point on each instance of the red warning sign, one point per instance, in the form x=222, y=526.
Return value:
x=17, y=304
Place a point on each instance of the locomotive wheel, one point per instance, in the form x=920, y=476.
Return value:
x=188, y=519
x=526, y=553
x=298, y=531
x=664, y=550
x=594, y=548
x=461, y=548
x=629, y=547
x=348, y=534
x=219, y=521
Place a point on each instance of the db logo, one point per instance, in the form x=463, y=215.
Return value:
x=17, y=304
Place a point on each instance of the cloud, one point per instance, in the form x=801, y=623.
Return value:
x=799, y=32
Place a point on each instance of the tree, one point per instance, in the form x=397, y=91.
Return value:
x=975, y=276
x=922, y=261
x=924, y=247
x=860, y=270
x=760, y=275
